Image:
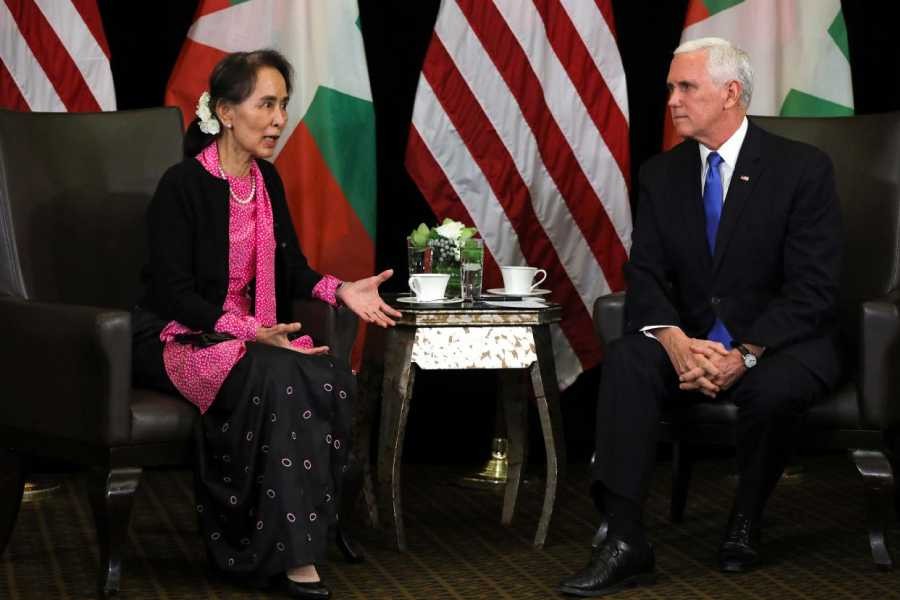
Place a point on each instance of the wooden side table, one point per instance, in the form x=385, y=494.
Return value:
x=479, y=336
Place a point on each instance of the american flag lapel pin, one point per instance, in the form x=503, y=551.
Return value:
x=744, y=178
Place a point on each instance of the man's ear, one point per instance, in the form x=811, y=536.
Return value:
x=733, y=90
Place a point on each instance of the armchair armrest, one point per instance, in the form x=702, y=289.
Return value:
x=879, y=362
x=67, y=370
x=609, y=317
x=331, y=326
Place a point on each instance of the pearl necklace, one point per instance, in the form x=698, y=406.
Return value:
x=237, y=198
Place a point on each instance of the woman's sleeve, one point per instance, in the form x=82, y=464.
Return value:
x=303, y=278
x=171, y=222
x=243, y=327
x=326, y=289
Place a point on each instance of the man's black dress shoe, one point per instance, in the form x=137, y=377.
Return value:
x=601, y=534
x=311, y=590
x=739, y=550
x=614, y=566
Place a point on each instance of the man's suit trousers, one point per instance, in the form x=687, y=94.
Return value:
x=638, y=382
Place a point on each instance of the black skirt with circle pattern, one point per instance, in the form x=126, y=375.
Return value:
x=270, y=455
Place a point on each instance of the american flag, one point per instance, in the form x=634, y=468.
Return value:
x=520, y=128
x=54, y=57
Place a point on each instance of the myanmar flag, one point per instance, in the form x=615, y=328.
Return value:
x=326, y=155
x=798, y=49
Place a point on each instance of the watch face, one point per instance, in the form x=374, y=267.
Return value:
x=749, y=360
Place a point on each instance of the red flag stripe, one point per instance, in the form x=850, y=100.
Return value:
x=432, y=181
x=568, y=110
x=90, y=14
x=53, y=57
x=206, y=7
x=588, y=80
x=578, y=194
x=492, y=157
x=444, y=200
x=606, y=9
x=505, y=113
x=10, y=94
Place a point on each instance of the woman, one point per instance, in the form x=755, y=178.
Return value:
x=224, y=266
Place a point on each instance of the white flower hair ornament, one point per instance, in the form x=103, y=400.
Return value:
x=208, y=121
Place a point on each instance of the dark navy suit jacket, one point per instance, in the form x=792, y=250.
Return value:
x=774, y=277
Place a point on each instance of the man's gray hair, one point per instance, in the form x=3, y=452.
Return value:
x=725, y=62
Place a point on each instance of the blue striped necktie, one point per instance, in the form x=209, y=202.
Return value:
x=713, y=196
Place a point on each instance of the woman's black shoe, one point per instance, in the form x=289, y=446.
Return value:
x=347, y=546
x=307, y=590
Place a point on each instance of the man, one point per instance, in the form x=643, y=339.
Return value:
x=732, y=286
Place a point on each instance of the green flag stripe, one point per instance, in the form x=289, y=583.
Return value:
x=801, y=104
x=344, y=130
x=838, y=32
x=714, y=6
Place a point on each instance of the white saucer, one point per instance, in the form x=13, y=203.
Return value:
x=503, y=292
x=414, y=300
x=533, y=303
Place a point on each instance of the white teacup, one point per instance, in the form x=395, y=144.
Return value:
x=429, y=286
x=520, y=280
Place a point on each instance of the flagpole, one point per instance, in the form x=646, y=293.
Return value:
x=493, y=475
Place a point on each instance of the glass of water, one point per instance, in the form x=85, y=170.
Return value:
x=471, y=264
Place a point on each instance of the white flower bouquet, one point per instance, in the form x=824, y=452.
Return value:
x=437, y=250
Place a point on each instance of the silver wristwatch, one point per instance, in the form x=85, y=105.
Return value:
x=750, y=359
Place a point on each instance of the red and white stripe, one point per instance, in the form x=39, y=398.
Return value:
x=520, y=127
x=54, y=57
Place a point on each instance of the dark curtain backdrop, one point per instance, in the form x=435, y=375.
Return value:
x=145, y=43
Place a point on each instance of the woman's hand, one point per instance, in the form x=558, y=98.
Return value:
x=277, y=335
x=363, y=299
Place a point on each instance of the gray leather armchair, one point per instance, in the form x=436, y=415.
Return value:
x=74, y=189
x=863, y=414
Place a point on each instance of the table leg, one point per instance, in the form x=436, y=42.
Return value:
x=546, y=396
x=399, y=377
x=515, y=408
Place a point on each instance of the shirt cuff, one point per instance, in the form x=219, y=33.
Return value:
x=648, y=330
x=243, y=328
x=304, y=341
x=326, y=289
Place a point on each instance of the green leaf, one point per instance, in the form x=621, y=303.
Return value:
x=419, y=235
x=467, y=232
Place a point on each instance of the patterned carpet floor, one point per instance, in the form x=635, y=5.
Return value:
x=814, y=543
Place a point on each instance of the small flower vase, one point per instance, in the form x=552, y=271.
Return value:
x=418, y=258
x=445, y=259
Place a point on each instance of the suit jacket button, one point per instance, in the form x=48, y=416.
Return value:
x=715, y=300
x=284, y=244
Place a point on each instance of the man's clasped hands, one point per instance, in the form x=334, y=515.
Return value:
x=702, y=365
